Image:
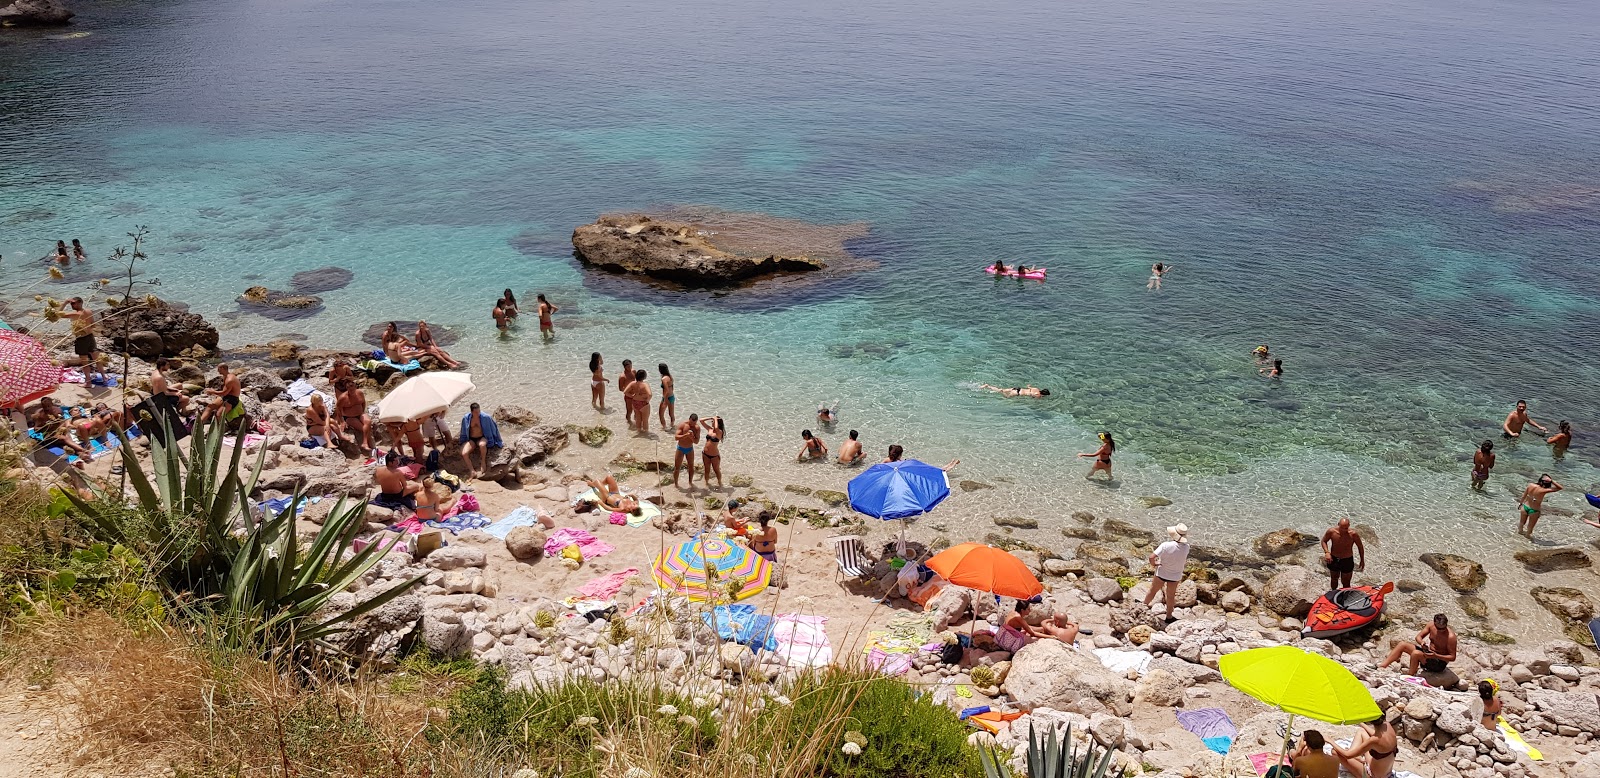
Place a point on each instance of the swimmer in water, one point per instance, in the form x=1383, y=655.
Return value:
x=828, y=414
x=1017, y=391
x=1156, y=272
x=1482, y=463
x=1560, y=441
x=1102, y=456
x=1262, y=353
x=1276, y=371
x=999, y=268
x=1517, y=419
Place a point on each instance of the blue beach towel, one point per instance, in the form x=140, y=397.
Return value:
x=741, y=624
x=1211, y=725
x=461, y=522
x=523, y=516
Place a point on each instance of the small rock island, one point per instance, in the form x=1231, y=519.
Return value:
x=711, y=248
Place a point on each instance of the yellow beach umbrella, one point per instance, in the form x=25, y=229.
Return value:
x=1300, y=683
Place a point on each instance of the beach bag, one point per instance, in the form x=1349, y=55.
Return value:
x=951, y=653
x=432, y=463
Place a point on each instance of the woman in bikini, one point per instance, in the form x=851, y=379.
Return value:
x=1489, y=692
x=711, y=454
x=667, y=412
x=431, y=506
x=508, y=304
x=396, y=347
x=608, y=495
x=1560, y=441
x=1102, y=456
x=1156, y=272
x=317, y=420
x=1377, y=742
x=428, y=345
x=638, y=395
x=1482, y=463
x=597, y=382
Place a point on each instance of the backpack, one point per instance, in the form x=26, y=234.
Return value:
x=432, y=464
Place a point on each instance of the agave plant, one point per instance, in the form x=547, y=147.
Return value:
x=1052, y=758
x=252, y=576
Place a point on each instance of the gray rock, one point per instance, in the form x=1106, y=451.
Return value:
x=35, y=13
x=1062, y=567
x=1578, y=708
x=526, y=543
x=1456, y=719
x=1282, y=543
x=1104, y=590
x=1292, y=591
x=1235, y=601
x=1018, y=522
x=457, y=557
x=533, y=446
x=1565, y=602
x=949, y=606
x=1459, y=573
x=684, y=252
x=1123, y=529
x=1049, y=673
x=1160, y=688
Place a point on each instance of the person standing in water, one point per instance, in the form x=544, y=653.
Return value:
x=1482, y=463
x=508, y=303
x=1560, y=441
x=1340, y=545
x=547, y=328
x=1156, y=272
x=687, y=435
x=711, y=454
x=597, y=382
x=1517, y=419
x=502, y=322
x=850, y=451
x=638, y=398
x=1102, y=456
x=1532, y=503
x=623, y=380
x=77, y=251
x=667, y=412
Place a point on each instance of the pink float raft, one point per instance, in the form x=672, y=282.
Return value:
x=1036, y=273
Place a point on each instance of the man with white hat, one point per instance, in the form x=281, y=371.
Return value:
x=1169, y=559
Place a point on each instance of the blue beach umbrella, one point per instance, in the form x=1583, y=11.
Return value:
x=898, y=490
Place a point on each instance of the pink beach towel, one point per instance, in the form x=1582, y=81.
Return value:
x=606, y=586
x=1263, y=762
x=802, y=640
x=589, y=545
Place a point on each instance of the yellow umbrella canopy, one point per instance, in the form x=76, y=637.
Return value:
x=1300, y=683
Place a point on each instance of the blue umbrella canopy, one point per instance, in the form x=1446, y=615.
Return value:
x=898, y=490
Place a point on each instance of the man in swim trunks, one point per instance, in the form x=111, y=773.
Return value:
x=637, y=396
x=765, y=541
x=1482, y=464
x=227, y=397
x=687, y=435
x=813, y=449
x=1018, y=391
x=395, y=491
x=350, y=412
x=547, y=328
x=478, y=433
x=163, y=394
x=1340, y=546
x=850, y=451
x=1433, y=649
x=1533, y=503
x=1517, y=419
x=82, y=321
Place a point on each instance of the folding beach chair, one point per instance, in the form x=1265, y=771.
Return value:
x=851, y=557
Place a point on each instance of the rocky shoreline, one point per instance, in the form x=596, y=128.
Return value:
x=500, y=603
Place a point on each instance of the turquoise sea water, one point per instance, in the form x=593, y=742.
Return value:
x=1401, y=197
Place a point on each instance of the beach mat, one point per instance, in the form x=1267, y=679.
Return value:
x=523, y=516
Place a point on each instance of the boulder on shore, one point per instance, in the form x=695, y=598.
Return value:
x=35, y=13
x=678, y=251
x=1292, y=591
x=156, y=328
x=1049, y=673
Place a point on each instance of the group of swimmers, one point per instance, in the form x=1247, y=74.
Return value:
x=60, y=257
x=505, y=314
x=1530, y=506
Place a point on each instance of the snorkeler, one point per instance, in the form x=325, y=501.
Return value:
x=1017, y=391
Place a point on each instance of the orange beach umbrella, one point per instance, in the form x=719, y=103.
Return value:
x=986, y=569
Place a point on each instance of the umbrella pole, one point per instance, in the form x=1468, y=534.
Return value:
x=1288, y=733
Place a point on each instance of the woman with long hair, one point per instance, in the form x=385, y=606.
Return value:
x=426, y=343
x=508, y=303
x=711, y=453
x=597, y=382
x=668, y=409
x=1102, y=455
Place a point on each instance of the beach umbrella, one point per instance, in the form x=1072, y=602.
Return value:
x=986, y=569
x=1299, y=683
x=708, y=567
x=424, y=395
x=26, y=372
x=898, y=490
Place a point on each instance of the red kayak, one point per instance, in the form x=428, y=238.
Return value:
x=1342, y=610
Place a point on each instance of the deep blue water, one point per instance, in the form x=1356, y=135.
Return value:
x=1402, y=198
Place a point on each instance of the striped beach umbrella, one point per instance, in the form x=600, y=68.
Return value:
x=709, y=568
x=26, y=372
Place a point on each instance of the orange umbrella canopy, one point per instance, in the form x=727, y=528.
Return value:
x=987, y=569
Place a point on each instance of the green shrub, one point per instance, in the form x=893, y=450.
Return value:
x=907, y=734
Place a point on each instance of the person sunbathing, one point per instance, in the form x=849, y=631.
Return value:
x=397, y=348
x=608, y=495
x=1056, y=627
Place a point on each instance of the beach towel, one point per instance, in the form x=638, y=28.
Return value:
x=588, y=545
x=372, y=364
x=891, y=651
x=523, y=516
x=276, y=506
x=802, y=640
x=606, y=586
x=301, y=388
x=1120, y=661
x=72, y=376
x=1263, y=761
x=924, y=592
x=1211, y=725
x=458, y=523
x=647, y=510
x=741, y=624
x=250, y=441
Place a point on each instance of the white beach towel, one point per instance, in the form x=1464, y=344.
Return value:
x=523, y=516
x=1120, y=661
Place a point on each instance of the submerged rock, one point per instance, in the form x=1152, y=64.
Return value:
x=1459, y=573
x=279, y=306
x=323, y=279
x=1565, y=602
x=1282, y=543
x=1546, y=560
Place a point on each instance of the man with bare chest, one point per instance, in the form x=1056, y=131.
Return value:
x=1340, y=545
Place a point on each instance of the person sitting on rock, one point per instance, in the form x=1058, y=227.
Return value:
x=1379, y=743
x=478, y=433
x=434, y=502
x=1056, y=627
x=1433, y=649
x=1489, y=692
x=1310, y=760
x=395, y=490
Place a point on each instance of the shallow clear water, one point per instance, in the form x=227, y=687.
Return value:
x=1400, y=197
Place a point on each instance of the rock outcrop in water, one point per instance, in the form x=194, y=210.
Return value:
x=156, y=328
x=35, y=13
x=680, y=251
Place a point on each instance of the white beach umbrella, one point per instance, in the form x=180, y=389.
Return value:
x=424, y=395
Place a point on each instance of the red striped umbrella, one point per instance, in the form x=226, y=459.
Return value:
x=26, y=372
